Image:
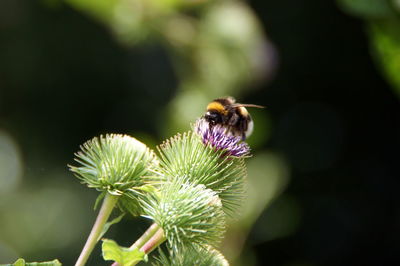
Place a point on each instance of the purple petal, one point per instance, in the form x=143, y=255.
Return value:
x=221, y=139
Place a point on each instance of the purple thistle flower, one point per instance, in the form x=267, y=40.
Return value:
x=221, y=139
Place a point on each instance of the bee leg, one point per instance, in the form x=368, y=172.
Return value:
x=233, y=120
x=243, y=127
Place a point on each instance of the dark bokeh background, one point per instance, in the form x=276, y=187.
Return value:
x=328, y=99
x=335, y=120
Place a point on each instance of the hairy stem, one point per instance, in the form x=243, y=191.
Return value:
x=146, y=236
x=154, y=241
x=105, y=211
x=152, y=238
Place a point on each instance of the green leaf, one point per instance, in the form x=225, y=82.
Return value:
x=385, y=39
x=101, y=9
x=124, y=256
x=21, y=262
x=367, y=8
x=108, y=225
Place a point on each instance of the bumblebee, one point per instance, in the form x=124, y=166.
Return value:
x=230, y=115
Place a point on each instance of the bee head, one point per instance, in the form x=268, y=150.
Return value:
x=215, y=112
x=213, y=117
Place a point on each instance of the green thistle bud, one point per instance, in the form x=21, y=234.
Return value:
x=114, y=163
x=192, y=256
x=189, y=214
x=186, y=156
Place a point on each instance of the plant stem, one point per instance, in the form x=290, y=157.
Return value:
x=152, y=238
x=154, y=241
x=146, y=236
x=105, y=211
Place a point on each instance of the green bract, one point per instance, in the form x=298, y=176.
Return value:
x=189, y=214
x=185, y=156
x=114, y=163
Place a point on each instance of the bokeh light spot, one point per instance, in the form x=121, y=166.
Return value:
x=10, y=163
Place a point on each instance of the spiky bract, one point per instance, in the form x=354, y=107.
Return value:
x=192, y=256
x=185, y=156
x=113, y=163
x=189, y=214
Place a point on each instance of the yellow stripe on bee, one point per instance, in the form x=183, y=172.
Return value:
x=216, y=106
x=243, y=111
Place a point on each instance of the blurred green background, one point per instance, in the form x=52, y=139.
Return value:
x=324, y=179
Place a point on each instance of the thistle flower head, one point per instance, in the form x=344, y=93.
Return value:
x=192, y=256
x=113, y=163
x=220, y=138
x=189, y=214
x=186, y=156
